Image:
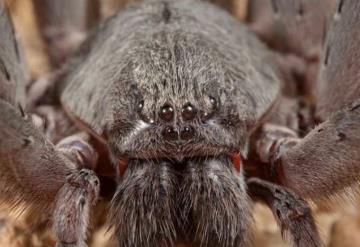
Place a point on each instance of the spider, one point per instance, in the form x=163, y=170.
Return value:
x=181, y=116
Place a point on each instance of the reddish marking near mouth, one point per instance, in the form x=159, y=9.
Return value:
x=236, y=160
x=122, y=166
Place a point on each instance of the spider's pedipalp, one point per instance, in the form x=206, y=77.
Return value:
x=71, y=215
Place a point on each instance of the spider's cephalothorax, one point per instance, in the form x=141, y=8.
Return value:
x=174, y=85
x=184, y=116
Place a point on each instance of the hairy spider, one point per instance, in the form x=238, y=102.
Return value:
x=181, y=116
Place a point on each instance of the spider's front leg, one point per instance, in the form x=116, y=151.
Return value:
x=327, y=160
x=47, y=178
x=296, y=28
x=32, y=170
x=64, y=24
x=291, y=26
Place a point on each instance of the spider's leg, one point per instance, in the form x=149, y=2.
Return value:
x=339, y=82
x=296, y=29
x=215, y=206
x=78, y=195
x=72, y=208
x=32, y=170
x=292, y=213
x=291, y=26
x=144, y=209
x=12, y=69
x=63, y=25
x=327, y=159
x=19, y=139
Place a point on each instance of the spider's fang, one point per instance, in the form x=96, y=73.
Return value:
x=236, y=160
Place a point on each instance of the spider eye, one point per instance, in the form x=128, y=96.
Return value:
x=187, y=133
x=188, y=111
x=205, y=115
x=140, y=105
x=213, y=102
x=170, y=133
x=167, y=113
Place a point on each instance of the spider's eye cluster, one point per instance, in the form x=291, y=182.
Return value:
x=180, y=120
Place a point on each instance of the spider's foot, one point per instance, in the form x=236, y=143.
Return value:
x=77, y=149
x=85, y=179
x=274, y=141
x=292, y=213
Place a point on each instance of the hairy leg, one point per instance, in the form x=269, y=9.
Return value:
x=338, y=80
x=292, y=213
x=327, y=159
x=32, y=170
x=63, y=25
x=291, y=26
x=31, y=167
x=73, y=208
x=12, y=69
x=296, y=29
x=215, y=206
x=324, y=162
x=28, y=162
x=74, y=201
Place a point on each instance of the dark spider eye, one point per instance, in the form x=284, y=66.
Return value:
x=140, y=105
x=205, y=115
x=167, y=113
x=187, y=133
x=188, y=111
x=214, y=106
x=170, y=133
x=213, y=102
